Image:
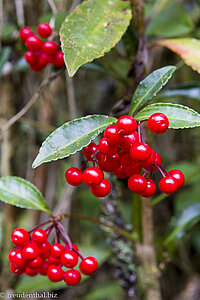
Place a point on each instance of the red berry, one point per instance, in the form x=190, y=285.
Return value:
x=57, y=250
x=31, y=272
x=30, y=57
x=50, y=48
x=17, y=270
x=158, y=123
x=73, y=246
x=72, y=277
x=15, y=257
x=108, y=163
x=126, y=124
x=30, y=251
x=158, y=160
x=69, y=259
x=137, y=183
x=112, y=134
x=178, y=175
x=92, y=176
x=88, y=265
x=44, y=248
x=37, y=68
x=55, y=273
x=43, y=268
x=53, y=260
x=151, y=159
x=36, y=263
x=43, y=60
x=168, y=185
x=25, y=33
x=44, y=30
x=89, y=150
x=39, y=235
x=33, y=43
x=74, y=176
x=128, y=140
x=106, y=147
x=140, y=151
x=19, y=237
x=102, y=189
x=121, y=172
x=59, y=60
x=150, y=189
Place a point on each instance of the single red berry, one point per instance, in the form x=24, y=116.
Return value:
x=50, y=48
x=30, y=57
x=151, y=160
x=90, y=150
x=44, y=30
x=125, y=158
x=25, y=33
x=69, y=259
x=126, y=124
x=31, y=272
x=102, y=189
x=43, y=268
x=150, y=189
x=43, y=60
x=15, y=257
x=72, y=277
x=168, y=185
x=67, y=247
x=44, y=248
x=106, y=147
x=178, y=175
x=36, y=263
x=112, y=134
x=108, y=163
x=134, y=168
x=55, y=273
x=59, y=60
x=53, y=260
x=137, y=183
x=140, y=151
x=39, y=235
x=92, y=176
x=88, y=265
x=74, y=176
x=17, y=270
x=30, y=251
x=57, y=250
x=128, y=140
x=158, y=160
x=33, y=43
x=121, y=172
x=158, y=123
x=20, y=237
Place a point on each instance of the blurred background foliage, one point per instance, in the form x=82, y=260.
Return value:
x=96, y=88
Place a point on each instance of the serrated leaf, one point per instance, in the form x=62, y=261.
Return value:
x=92, y=29
x=179, y=116
x=187, y=48
x=71, y=137
x=189, y=217
x=173, y=20
x=20, y=192
x=150, y=86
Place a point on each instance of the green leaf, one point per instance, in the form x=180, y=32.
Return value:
x=20, y=192
x=171, y=21
x=71, y=137
x=92, y=29
x=187, y=48
x=179, y=116
x=150, y=86
x=189, y=217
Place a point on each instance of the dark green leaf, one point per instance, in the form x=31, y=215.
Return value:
x=71, y=137
x=172, y=21
x=179, y=116
x=189, y=217
x=92, y=29
x=20, y=192
x=150, y=86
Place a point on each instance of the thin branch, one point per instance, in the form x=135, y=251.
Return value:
x=30, y=103
x=53, y=6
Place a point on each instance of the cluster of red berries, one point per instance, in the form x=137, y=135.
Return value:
x=122, y=152
x=41, y=53
x=36, y=255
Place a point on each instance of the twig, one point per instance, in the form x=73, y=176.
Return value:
x=33, y=99
x=19, y=12
x=53, y=6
